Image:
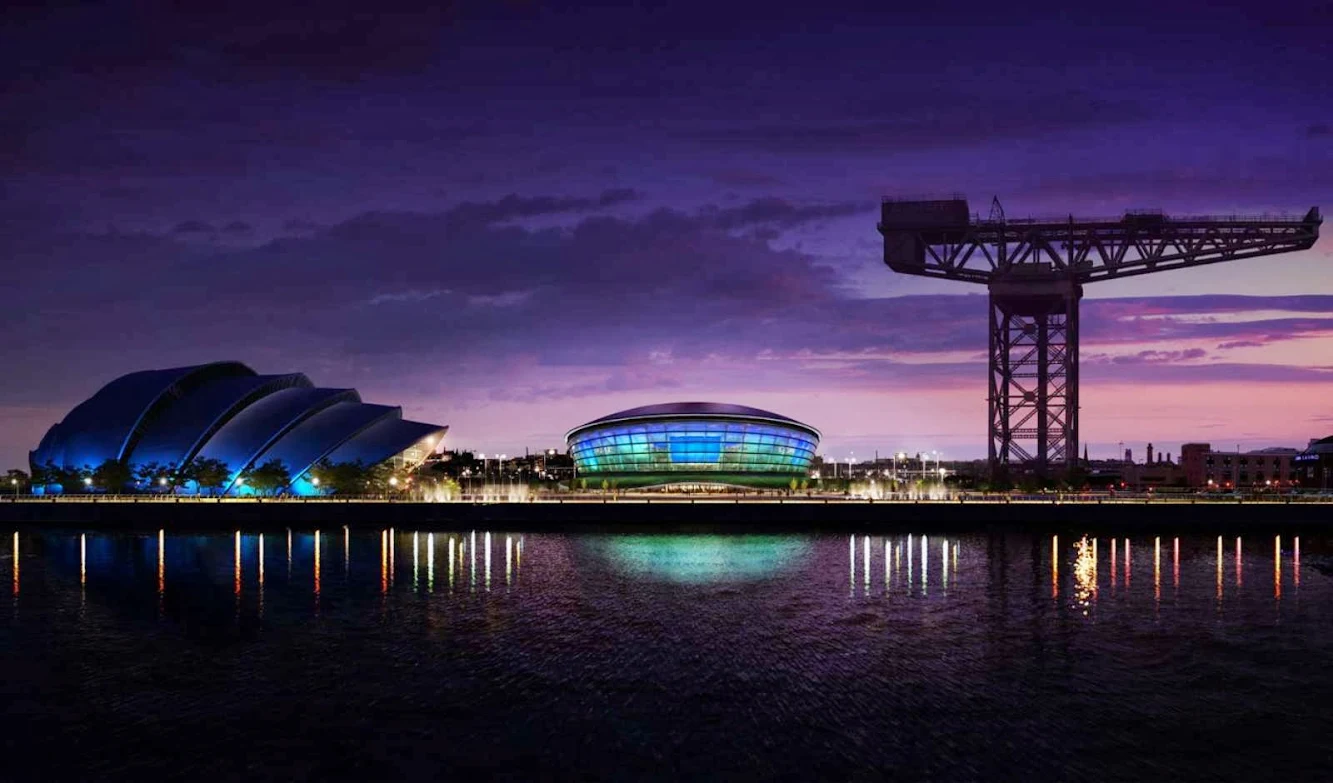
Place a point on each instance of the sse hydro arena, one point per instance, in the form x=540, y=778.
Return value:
x=226, y=411
x=693, y=443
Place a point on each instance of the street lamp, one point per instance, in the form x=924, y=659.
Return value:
x=393, y=481
x=314, y=482
x=88, y=483
x=13, y=482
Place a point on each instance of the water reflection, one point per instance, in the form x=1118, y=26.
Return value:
x=703, y=559
x=316, y=568
x=1175, y=564
x=1277, y=567
x=260, y=589
x=98, y=566
x=1055, y=566
x=1157, y=569
x=237, y=567
x=1085, y=575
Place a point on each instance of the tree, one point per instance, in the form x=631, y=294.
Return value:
x=377, y=478
x=805, y=484
x=41, y=475
x=112, y=476
x=68, y=477
x=605, y=485
x=268, y=478
x=348, y=478
x=209, y=473
x=16, y=481
x=793, y=484
x=150, y=474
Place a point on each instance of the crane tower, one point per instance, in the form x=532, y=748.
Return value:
x=1035, y=271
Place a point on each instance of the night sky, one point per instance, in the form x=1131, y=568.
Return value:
x=514, y=217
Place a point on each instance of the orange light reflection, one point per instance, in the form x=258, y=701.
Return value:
x=316, y=562
x=1277, y=567
x=1175, y=564
x=1055, y=566
x=237, y=568
x=1157, y=569
x=161, y=565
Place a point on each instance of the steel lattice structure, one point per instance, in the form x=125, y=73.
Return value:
x=1035, y=271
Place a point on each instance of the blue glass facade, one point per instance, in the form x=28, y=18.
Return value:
x=653, y=441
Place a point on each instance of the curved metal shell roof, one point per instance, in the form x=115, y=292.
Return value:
x=174, y=437
x=107, y=424
x=254, y=429
x=225, y=411
x=692, y=410
x=384, y=439
x=304, y=444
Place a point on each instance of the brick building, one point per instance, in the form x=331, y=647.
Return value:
x=1236, y=469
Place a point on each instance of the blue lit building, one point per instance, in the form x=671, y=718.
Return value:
x=226, y=411
x=693, y=443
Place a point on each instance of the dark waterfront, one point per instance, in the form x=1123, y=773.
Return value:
x=379, y=654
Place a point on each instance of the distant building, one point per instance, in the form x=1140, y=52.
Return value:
x=1314, y=466
x=1234, y=469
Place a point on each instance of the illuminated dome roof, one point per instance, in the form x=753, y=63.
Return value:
x=694, y=409
x=227, y=411
x=693, y=443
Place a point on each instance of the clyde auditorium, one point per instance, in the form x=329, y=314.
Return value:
x=693, y=443
x=227, y=411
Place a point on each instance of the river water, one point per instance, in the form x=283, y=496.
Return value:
x=375, y=654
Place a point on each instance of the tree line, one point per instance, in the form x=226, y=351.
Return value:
x=211, y=477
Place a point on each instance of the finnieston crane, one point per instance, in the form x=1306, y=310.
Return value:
x=1035, y=271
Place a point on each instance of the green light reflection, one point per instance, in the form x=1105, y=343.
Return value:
x=700, y=559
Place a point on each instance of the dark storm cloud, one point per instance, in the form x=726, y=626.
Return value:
x=938, y=122
x=193, y=227
x=336, y=41
x=780, y=213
